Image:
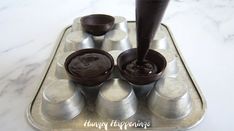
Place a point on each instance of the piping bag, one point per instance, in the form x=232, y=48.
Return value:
x=149, y=14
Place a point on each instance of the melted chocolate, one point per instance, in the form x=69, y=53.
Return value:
x=89, y=65
x=149, y=14
x=146, y=68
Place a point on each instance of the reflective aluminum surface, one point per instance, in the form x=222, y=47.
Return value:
x=143, y=115
x=142, y=90
x=78, y=40
x=90, y=92
x=172, y=67
x=115, y=54
x=120, y=24
x=61, y=100
x=159, y=41
x=76, y=25
x=116, y=100
x=170, y=99
x=116, y=40
x=60, y=70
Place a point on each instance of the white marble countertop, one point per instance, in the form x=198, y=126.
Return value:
x=204, y=31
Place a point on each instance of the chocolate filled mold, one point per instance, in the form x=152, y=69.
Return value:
x=78, y=40
x=136, y=78
x=89, y=67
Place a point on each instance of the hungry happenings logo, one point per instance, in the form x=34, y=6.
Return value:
x=122, y=125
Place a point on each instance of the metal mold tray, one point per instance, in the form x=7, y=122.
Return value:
x=143, y=115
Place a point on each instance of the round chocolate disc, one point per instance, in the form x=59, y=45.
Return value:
x=89, y=65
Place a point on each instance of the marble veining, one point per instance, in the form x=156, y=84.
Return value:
x=204, y=31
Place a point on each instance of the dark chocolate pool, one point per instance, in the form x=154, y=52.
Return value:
x=89, y=66
x=151, y=70
x=143, y=69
